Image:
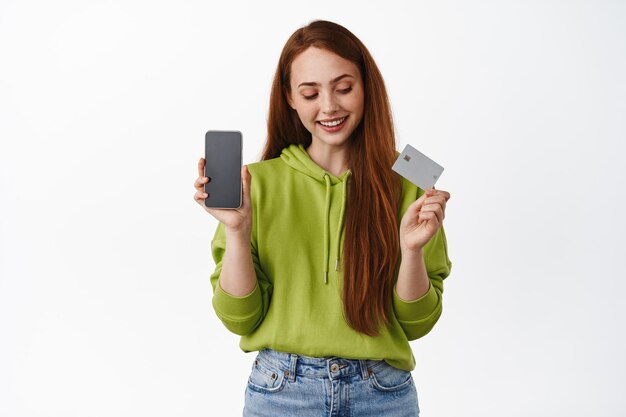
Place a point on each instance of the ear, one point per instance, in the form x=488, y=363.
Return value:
x=289, y=100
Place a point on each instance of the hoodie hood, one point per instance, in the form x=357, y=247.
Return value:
x=296, y=156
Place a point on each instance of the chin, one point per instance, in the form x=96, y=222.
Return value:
x=334, y=139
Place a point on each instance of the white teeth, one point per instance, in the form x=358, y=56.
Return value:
x=334, y=123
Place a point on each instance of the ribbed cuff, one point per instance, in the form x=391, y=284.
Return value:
x=416, y=309
x=237, y=308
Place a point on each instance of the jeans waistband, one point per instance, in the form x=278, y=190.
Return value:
x=334, y=367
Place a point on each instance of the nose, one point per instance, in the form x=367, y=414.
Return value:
x=329, y=104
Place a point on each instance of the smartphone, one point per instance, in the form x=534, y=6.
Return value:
x=222, y=153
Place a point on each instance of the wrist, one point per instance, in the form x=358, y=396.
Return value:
x=239, y=233
x=412, y=252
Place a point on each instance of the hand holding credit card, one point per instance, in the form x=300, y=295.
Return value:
x=417, y=168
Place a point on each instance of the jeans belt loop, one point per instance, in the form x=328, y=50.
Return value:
x=364, y=371
x=293, y=362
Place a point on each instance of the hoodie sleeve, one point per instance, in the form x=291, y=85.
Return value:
x=418, y=317
x=240, y=315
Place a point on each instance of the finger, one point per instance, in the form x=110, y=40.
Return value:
x=201, y=167
x=428, y=216
x=434, y=208
x=437, y=199
x=434, y=203
x=200, y=196
x=443, y=193
x=200, y=182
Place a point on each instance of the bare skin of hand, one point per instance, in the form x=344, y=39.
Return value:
x=422, y=219
x=236, y=220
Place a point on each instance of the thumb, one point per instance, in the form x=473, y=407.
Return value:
x=417, y=204
x=245, y=179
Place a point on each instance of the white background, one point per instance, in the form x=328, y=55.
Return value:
x=105, y=300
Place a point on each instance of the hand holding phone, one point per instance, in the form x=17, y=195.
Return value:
x=223, y=167
x=221, y=176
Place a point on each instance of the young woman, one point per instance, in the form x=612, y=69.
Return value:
x=334, y=262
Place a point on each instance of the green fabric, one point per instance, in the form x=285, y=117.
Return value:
x=297, y=235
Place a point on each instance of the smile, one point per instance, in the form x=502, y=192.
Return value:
x=334, y=122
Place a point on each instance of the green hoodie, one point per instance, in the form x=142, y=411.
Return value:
x=297, y=233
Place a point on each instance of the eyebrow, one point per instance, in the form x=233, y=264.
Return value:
x=334, y=80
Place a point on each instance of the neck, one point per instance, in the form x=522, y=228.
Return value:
x=332, y=158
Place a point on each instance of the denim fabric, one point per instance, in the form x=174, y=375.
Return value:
x=286, y=384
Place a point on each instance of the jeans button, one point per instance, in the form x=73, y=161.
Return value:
x=334, y=367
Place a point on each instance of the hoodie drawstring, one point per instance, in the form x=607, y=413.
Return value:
x=327, y=226
x=341, y=215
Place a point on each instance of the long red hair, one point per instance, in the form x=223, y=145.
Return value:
x=371, y=242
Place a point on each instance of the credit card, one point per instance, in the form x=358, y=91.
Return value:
x=417, y=168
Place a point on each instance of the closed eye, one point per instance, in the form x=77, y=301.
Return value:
x=344, y=91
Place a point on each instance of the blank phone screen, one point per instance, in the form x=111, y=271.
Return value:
x=223, y=167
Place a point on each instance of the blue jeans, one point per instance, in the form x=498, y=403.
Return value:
x=286, y=384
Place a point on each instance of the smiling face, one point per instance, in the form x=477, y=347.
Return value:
x=327, y=94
